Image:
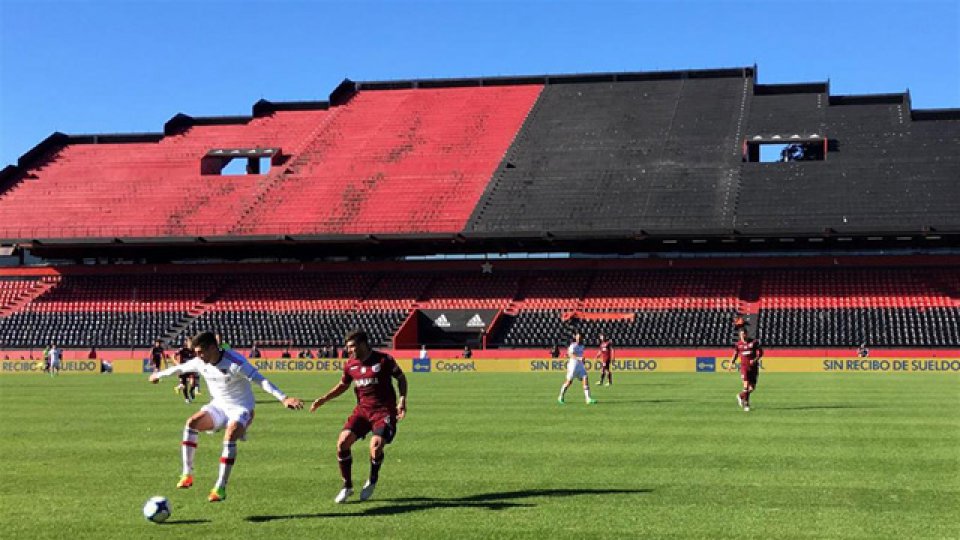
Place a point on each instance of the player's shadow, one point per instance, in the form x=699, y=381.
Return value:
x=489, y=501
x=816, y=407
x=185, y=522
x=630, y=401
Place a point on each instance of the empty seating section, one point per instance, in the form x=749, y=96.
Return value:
x=799, y=307
x=554, y=290
x=839, y=289
x=947, y=281
x=398, y=292
x=484, y=291
x=878, y=327
x=106, y=311
x=668, y=308
x=145, y=189
x=883, y=171
x=129, y=293
x=596, y=154
x=12, y=289
x=397, y=161
x=297, y=310
x=786, y=114
x=83, y=329
x=291, y=292
x=537, y=328
x=627, y=156
x=663, y=290
x=298, y=328
x=658, y=328
x=884, y=307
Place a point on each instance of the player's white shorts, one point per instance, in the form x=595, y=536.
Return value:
x=55, y=364
x=575, y=370
x=223, y=415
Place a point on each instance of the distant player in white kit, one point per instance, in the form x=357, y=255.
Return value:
x=55, y=356
x=228, y=376
x=576, y=370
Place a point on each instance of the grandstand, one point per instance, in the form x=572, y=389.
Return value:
x=653, y=193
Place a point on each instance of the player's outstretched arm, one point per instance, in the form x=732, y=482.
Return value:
x=191, y=366
x=402, y=402
x=173, y=370
x=340, y=388
x=254, y=376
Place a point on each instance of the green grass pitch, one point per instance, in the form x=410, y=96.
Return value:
x=494, y=456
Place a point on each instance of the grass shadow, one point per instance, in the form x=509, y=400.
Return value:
x=489, y=501
x=626, y=401
x=184, y=522
x=816, y=407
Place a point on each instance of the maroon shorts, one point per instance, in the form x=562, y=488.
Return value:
x=382, y=422
x=749, y=373
x=605, y=364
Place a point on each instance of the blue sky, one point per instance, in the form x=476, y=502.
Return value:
x=79, y=66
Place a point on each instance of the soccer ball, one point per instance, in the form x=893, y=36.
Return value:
x=157, y=509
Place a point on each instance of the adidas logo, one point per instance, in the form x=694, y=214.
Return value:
x=441, y=321
x=476, y=322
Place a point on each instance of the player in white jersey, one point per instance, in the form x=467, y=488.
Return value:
x=576, y=370
x=228, y=376
x=55, y=356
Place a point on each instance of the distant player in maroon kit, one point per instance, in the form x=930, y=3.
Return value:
x=749, y=352
x=377, y=410
x=188, y=381
x=605, y=354
x=156, y=356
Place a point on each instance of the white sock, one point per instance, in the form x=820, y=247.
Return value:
x=226, y=462
x=189, y=445
x=586, y=392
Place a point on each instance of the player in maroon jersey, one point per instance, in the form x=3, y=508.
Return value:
x=188, y=381
x=377, y=410
x=605, y=354
x=749, y=352
x=156, y=355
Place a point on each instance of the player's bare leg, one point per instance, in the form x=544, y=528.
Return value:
x=345, y=461
x=376, y=460
x=184, y=387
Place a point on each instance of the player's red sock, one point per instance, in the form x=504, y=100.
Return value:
x=345, y=461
